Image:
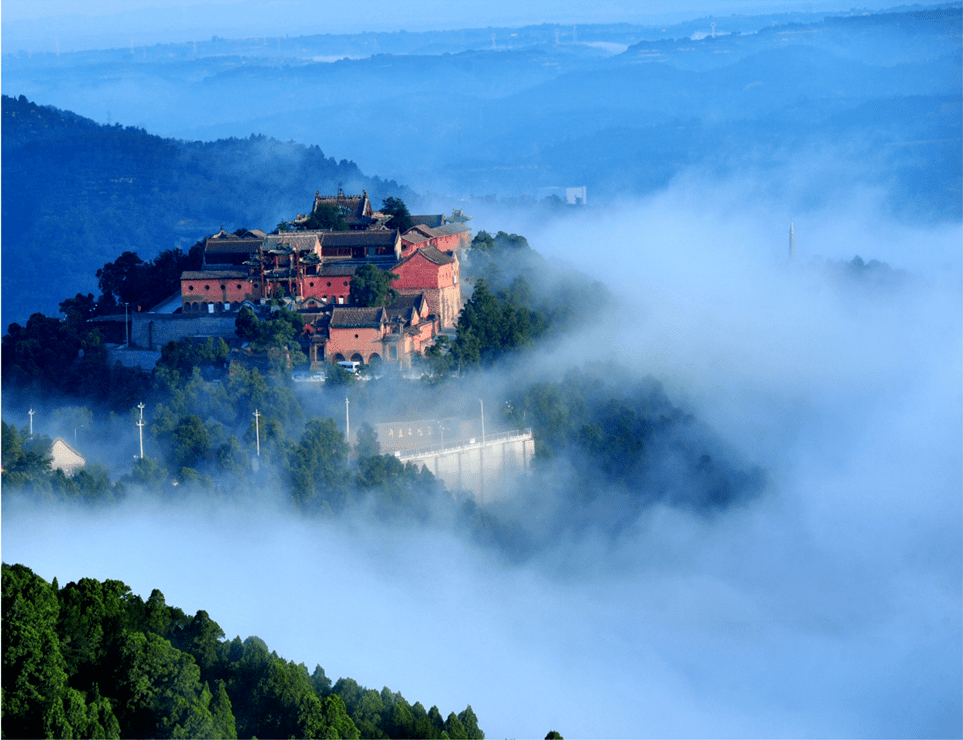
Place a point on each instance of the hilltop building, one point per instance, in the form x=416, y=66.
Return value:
x=313, y=270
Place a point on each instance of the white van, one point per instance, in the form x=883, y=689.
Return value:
x=350, y=365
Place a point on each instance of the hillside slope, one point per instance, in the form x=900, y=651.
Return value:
x=76, y=194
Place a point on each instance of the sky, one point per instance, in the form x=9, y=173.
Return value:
x=71, y=25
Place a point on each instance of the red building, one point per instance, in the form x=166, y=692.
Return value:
x=211, y=291
x=390, y=334
x=436, y=275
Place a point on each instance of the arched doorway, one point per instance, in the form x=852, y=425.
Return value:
x=356, y=357
x=339, y=357
x=374, y=360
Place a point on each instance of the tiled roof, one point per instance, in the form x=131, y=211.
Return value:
x=232, y=246
x=434, y=256
x=414, y=237
x=349, y=317
x=435, y=219
x=213, y=275
x=373, y=238
x=338, y=270
x=402, y=307
x=304, y=241
x=452, y=229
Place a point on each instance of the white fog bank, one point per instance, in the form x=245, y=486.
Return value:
x=828, y=607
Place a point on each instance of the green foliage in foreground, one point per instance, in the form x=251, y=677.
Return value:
x=93, y=660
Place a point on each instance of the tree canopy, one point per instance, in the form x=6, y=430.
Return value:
x=372, y=287
x=400, y=217
x=93, y=660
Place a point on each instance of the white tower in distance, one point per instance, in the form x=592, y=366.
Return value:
x=792, y=243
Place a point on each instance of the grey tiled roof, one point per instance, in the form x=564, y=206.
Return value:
x=214, y=275
x=435, y=219
x=452, y=229
x=373, y=238
x=304, y=241
x=434, y=256
x=348, y=317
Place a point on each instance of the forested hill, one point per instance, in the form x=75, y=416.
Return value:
x=76, y=194
x=92, y=659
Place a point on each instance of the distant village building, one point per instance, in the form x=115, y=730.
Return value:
x=313, y=270
x=65, y=458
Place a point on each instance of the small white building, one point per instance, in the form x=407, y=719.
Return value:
x=65, y=458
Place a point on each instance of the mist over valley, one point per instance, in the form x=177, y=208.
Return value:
x=742, y=514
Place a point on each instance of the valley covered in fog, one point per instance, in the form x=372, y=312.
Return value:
x=743, y=514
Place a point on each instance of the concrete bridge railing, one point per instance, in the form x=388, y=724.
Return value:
x=412, y=452
x=484, y=471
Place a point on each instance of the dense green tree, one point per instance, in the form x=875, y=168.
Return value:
x=277, y=338
x=26, y=459
x=34, y=675
x=328, y=217
x=159, y=690
x=191, y=441
x=371, y=286
x=93, y=660
x=148, y=472
x=455, y=729
x=318, y=466
x=400, y=217
x=470, y=722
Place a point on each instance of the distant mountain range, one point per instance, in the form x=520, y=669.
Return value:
x=491, y=113
x=76, y=194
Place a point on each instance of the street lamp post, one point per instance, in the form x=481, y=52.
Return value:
x=31, y=421
x=140, y=428
x=126, y=327
x=257, y=430
x=482, y=420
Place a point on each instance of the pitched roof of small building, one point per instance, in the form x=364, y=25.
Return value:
x=344, y=317
x=433, y=255
x=457, y=228
x=64, y=457
x=434, y=219
x=405, y=307
x=413, y=236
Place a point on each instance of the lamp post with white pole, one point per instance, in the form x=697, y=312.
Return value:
x=257, y=430
x=482, y=420
x=140, y=428
x=31, y=421
x=481, y=453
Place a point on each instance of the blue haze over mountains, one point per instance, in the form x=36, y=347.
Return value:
x=445, y=112
x=495, y=113
x=828, y=607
